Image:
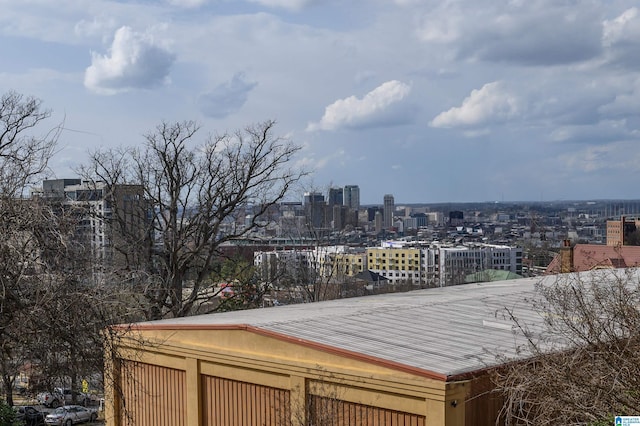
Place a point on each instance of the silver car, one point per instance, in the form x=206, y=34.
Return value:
x=68, y=415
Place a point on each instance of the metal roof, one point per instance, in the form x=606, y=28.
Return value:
x=449, y=331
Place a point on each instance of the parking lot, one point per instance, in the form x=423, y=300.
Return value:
x=22, y=401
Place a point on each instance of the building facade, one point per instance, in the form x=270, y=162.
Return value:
x=439, y=265
x=389, y=210
x=106, y=217
x=352, y=196
x=315, y=209
x=618, y=231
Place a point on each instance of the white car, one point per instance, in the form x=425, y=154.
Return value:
x=68, y=415
x=60, y=397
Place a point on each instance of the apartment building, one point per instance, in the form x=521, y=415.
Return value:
x=306, y=265
x=105, y=216
x=403, y=263
x=433, y=264
x=278, y=266
x=339, y=262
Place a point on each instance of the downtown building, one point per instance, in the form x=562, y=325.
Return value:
x=418, y=264
x=105, y=217
x=439, y=265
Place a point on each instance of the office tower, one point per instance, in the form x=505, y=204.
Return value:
x=335, y=197
x=314, y=207
x=378, y=222
x=389, y=209
x=352, y=196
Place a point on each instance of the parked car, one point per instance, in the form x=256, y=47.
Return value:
x=50, y=399
x=29, y=416
x=60, y=396
x=68, y=415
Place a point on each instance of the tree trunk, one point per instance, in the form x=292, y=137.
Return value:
x=7, y=382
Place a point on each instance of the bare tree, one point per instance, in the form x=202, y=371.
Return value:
x=23, y=158
x=198, y=197
x=52, y=312
x=23, y=155
x=585, y=366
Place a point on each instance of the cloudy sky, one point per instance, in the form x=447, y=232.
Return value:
x=432, y=101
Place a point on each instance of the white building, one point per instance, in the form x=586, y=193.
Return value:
x=433, y=264
x=455, y=263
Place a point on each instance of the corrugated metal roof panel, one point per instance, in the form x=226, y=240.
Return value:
x=450, y=330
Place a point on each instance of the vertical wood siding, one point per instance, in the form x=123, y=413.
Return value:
x=229, y=402
x=152, y=395
x=483, y=404
x=333, y=412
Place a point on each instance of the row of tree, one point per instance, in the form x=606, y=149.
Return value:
x=171, y=204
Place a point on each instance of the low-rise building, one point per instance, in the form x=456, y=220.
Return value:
x=420, y=358
x=434, y=264
x=587, y=257
x=618, y=231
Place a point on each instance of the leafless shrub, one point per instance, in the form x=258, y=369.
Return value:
x=586, y=364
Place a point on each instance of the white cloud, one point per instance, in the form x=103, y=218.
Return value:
x=593, y=158
x=443, y=26
x=541, y=33
x=594, y=133
x=489, y=104
x=227, y=97
x=618, y=29
x=135, y=60
x=351, y=111
x=94, y=27
x=621, y=39
x=408, y=2
x=187, y=3
x=293, y=5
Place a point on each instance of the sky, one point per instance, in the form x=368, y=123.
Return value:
x=431, y=101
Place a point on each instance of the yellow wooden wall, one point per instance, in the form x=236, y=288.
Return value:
x=325, y=411
x=152, y=395
x=230, y=402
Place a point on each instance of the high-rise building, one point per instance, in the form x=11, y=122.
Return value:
x=107, y=217
x=335, y=197
x=378, y=221
x=352, y=196
x=314, y=207
x=389, y=210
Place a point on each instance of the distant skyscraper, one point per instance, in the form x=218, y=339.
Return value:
x=378, y=221
x=335, y=197
x=352, y=196
x=311, y=198
x=389, y=210
x=314, y=207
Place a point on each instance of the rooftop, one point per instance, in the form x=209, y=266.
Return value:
x=450, y=331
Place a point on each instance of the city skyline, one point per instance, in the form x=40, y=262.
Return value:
x=433, y=102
